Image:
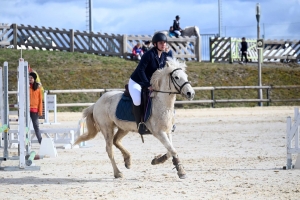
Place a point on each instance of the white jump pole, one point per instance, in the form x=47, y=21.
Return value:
x=22, y=123
x=27, y=107
x=1, y=105
x=5, y=109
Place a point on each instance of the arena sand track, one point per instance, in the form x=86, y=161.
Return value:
x=228, y=153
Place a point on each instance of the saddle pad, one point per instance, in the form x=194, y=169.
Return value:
x=124, y=109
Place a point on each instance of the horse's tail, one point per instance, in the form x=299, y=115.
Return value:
x=90, y=124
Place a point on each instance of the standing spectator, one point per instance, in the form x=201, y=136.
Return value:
x=176, y=26
x=146, y=46
x=137, y=51
x=36, y=105
x=244, y=50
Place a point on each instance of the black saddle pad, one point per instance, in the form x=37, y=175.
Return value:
x=124, y=109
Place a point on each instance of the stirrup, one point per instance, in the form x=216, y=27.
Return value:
x=142, y=128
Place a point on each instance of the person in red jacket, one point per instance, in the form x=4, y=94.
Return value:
x=36, y=105
x=137, y=51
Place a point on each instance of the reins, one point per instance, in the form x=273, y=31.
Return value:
x=176, y=85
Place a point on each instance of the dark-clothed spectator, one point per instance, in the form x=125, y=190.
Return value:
x=244, y=49
x=176, y=26
x=146, y=46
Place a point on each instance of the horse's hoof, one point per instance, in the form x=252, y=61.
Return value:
x=127, y=166
x=182, y=176
x=127, y=162
x=154, y=162
x=119, y=175
x=159, y=159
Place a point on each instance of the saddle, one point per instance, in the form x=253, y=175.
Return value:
x=124, y=108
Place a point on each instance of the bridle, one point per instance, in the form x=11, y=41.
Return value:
x=176, y=85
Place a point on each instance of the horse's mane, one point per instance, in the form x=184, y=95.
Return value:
x=171, y=64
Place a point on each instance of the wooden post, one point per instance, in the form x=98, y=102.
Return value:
x=124, y=46
x=210, y=50
x=230, y=51
x=212, y=98
x=268, y=96
x=198, y=49
x=71, y=40
x=15, y=31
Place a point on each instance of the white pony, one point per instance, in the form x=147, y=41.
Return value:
x=187, y=31
x=101, y=116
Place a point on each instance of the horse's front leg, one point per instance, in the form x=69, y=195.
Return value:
x=163, y=138
x=160, y=159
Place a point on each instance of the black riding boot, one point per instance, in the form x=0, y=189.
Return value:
x=138, y=119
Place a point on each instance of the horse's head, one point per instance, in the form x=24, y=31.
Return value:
x=172, y=79
x=191, y=31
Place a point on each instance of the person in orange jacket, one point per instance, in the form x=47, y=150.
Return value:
x=38, y=80
x=36, y=104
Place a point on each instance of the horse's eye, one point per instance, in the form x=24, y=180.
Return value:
x=176, y=77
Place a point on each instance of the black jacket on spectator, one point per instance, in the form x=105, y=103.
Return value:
x=176, y=25
x=244, y=46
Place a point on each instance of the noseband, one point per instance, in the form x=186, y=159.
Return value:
x=176, y=85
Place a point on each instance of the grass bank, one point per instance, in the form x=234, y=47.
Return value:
x=64, y=70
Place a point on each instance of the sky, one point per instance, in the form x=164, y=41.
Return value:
x=279, y=19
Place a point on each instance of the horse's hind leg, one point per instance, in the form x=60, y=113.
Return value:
x=118, y=143
x=108, y=133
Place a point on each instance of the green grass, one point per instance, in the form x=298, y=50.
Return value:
x=64, y=70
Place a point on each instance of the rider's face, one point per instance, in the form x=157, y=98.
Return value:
x=161, y=45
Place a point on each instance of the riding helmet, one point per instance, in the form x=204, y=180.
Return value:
x=159, y=37
x=177, y=17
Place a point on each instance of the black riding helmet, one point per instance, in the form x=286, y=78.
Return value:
x=159, y=37
x=177, y=17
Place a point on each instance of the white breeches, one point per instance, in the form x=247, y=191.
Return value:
x=135, y=91
x=178, y=32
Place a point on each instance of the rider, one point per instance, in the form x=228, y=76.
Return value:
x=176, y=28
x=152, y=60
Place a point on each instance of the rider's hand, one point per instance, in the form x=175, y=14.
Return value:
x=150, y=88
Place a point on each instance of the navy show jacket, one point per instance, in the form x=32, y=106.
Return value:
x=148, y=64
